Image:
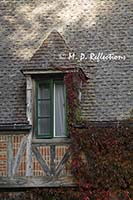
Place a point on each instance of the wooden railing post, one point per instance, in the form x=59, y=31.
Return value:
x=19, y=155
x=29, y=156
x=29, y=117
x=9, y=155
x=52, y=163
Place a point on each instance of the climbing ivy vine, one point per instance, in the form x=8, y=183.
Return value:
x=101, y=161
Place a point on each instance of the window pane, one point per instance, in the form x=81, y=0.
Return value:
x=59, y=109
x=44, y=126
x=44, y=108
x=44, y=91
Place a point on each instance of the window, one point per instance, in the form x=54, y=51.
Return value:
x=50, y=109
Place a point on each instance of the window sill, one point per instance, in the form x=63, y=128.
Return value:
x=56, y=141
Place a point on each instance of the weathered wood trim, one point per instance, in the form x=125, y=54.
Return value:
x=48, y=71
x=19, y=154
x=29, y=117
x=29, y=99
x=9, y=156
x=15, y=132
x=29, y=155
x=25, y=182
x=41, y=160
x=33, y=109
x=53, y=141
x=64, y=160
x=52, y=162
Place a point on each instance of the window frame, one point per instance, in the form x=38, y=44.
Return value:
x=52, y=134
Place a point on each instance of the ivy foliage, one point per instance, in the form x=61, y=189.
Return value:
x=101, y=161
x=102, y=157
x=72, y=81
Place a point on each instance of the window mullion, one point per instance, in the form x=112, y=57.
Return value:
x=51, y=107
x=54, y=111
x=37, y=85
x=65, y=102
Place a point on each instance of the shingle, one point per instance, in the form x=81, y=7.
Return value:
x=95, y=26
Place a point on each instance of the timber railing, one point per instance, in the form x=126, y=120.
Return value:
x=39, y=163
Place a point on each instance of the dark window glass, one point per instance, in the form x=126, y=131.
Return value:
x=51, y=109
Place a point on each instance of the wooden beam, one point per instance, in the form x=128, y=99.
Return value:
x=52, y=141
x=14, y=132
x=19, y=154
x=25, y=182
x=9, y=156
x=29, y=99
x=41, y=160
x=52, y=158
x=29, y=155
x=48, y=71
x=64, y=160
x=29, y=111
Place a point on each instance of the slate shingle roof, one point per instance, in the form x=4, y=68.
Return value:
x=49, y=54
x=87, y=26
x=13, y=92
